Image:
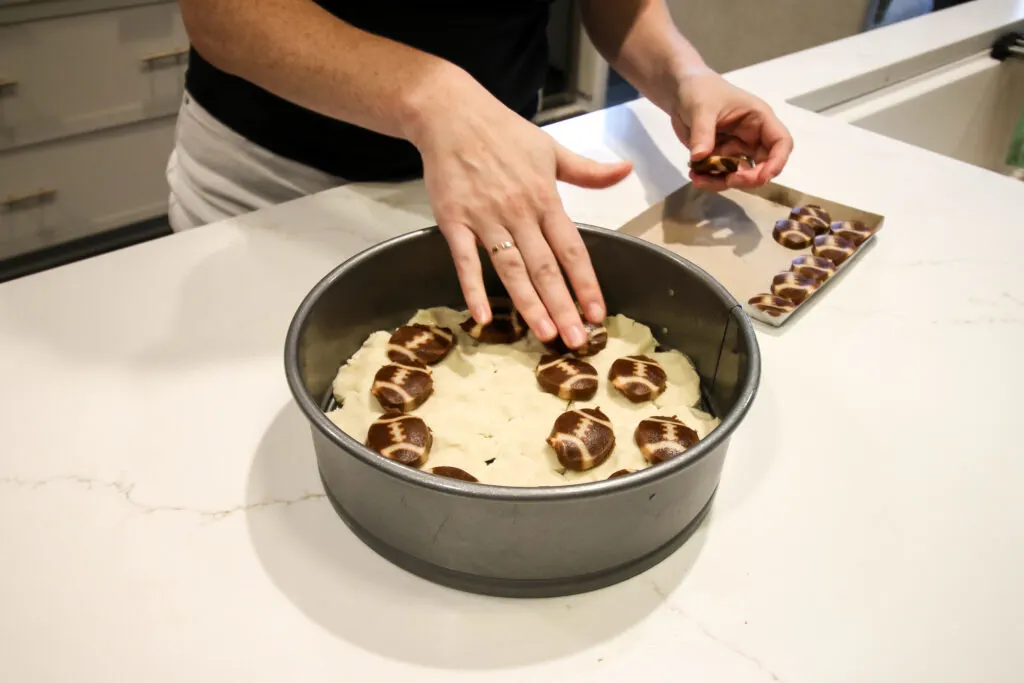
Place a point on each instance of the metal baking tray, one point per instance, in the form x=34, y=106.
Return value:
x=729, y=234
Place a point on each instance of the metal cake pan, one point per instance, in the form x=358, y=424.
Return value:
x=509, y=541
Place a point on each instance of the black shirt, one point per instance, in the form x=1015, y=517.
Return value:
x=501, y=43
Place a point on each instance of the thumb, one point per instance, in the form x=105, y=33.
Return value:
x=578, y=170
x=702, y=132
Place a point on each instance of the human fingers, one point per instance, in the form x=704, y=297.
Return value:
x=777, y=139
x=707, y=182
x=744, y=178
x=463, y=245
x=567, y=244
x=549, y=283
x=703, y=127
x=510, y=265
x=578, y=170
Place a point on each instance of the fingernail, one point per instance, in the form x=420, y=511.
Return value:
x=481, y=315
x=546, y=329
x=595, y=312
x=577, y=337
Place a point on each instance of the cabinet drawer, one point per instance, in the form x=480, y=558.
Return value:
x=81, y=73
x=60, y=191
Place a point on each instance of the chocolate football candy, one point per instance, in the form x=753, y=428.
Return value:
x=661, y=438
x=718, y=165
x=597, y=339
x=638, y=378
x=402, y=386
x=834, y=248
x=400, y=437
x=506, y=327
x=854, y=231
x=814, y=267
x=453, y=473
x=571, y=379
x=819, y=226
x=582, y=439
x=427, y=344
x=811, y=211
x=793, y=286
x=772, y=305
x=793, y=234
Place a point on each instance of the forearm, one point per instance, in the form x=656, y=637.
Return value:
x=640, y=41
x=300, y=52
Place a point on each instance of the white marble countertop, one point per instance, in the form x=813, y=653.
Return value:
x=161, y=518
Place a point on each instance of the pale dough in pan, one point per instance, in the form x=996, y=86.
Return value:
x=487, y=405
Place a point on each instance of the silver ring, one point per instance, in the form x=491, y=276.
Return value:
x=501, y=246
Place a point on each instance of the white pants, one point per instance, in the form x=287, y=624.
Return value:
x=215, y=173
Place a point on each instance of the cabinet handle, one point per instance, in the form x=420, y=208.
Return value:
x=7, y=86
x=152, y=60
x=12, y=202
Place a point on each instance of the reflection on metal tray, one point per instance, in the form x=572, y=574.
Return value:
x=729, y=234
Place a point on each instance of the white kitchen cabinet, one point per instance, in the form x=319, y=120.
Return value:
x=87, y=111
x=84, y=185
x=81, y=73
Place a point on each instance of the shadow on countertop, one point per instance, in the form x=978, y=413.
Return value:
x=336, y=581
x=626, y=135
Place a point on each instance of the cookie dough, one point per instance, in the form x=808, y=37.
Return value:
x=489, y=417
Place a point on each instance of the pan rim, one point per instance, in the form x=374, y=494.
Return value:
x=311, y=409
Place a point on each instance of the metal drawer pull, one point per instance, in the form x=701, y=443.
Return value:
x=177, y=56
x=37, y=197
x=7, y=86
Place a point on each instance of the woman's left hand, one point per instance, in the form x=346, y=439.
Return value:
x=713, y=116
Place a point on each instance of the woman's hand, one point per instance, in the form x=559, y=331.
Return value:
x=715, y=117
x=491, y=178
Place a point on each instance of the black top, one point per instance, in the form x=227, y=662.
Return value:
x=501, y=43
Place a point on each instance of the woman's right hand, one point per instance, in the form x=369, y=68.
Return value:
x=491, y=176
